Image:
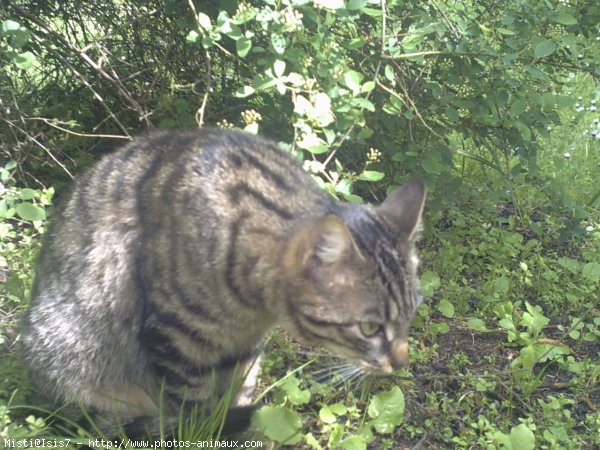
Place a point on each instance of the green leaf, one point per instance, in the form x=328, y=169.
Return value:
x=371, y=175
x=544, y=48
x=192, y=37
x=251, y=128
x=431, y=166
x=591, y=271
x=278, y=43
x=244, y=91
x=3, y=210
x=344, y=187
x=204, y=21
x=279, y=423
x=29, y=211
x=533, y=319
x=228, y=28
x=339, y=408
x=356, y=4
x=326, y=415
x=20, y=38
x=373, y=12
x=572, y=265
x=367, y=87
x=446, y=308
x=353, y=443
x=501, y=285
x=291, y=387
x=295, y=79
x=243, y=46
x=332, y=4
x=522, y=438
x=352, y=79
x=352, y=198
x=9, y=25
x=278, y=67
x=517, y=107
x=441, y=328
x=505, y=31
x=355, y=43
x=477, y=325
x=564, y=100
x=524, y=130
x=564, y=19
x=364, y=103
x=452, y=114
x=321, y=113
x=389, y=72
x=387, y=410
x=24, y=60
x=430, y=282
x=27, y=194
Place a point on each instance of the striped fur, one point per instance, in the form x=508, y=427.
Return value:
x=174, y=256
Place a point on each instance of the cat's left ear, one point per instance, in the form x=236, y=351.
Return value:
x=403, y=208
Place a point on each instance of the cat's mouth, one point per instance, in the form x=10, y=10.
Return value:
x=380, y=367
x=389, y=362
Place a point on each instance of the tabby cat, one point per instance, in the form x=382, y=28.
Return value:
x=174, y=256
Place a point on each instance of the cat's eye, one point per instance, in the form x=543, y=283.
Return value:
x=369, y=329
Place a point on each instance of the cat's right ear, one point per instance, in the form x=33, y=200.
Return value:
x=403, y=209
x=325, y=241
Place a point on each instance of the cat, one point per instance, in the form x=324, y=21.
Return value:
x=173, y=257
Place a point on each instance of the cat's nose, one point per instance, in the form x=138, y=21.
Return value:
x=399, y=354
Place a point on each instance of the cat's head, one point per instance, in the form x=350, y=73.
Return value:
x=353, y=285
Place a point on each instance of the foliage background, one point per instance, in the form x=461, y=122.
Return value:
x=493, y=103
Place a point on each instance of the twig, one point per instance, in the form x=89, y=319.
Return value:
x=143, y=115
x=409, y=105
x=53, y=125
x=39, y=144
x=85, y=82
x=202, y=110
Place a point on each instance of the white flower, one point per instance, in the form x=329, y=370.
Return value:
x=589, y=228
x=567, y=155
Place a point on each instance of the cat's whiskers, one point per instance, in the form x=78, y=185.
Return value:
x=344, y=373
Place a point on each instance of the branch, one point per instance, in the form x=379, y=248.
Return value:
x=86, y=59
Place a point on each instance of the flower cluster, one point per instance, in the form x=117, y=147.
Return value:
x=309, y=84
x=464, y=90
x=594, y=130
x=292, y=20
x=374, y=155
x=313, y=166
x=580, y=108
x=244, y=9
x=250, y=116
x=225, y=125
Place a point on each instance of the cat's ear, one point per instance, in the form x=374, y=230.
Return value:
x=403, y=208
x=326, y=241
